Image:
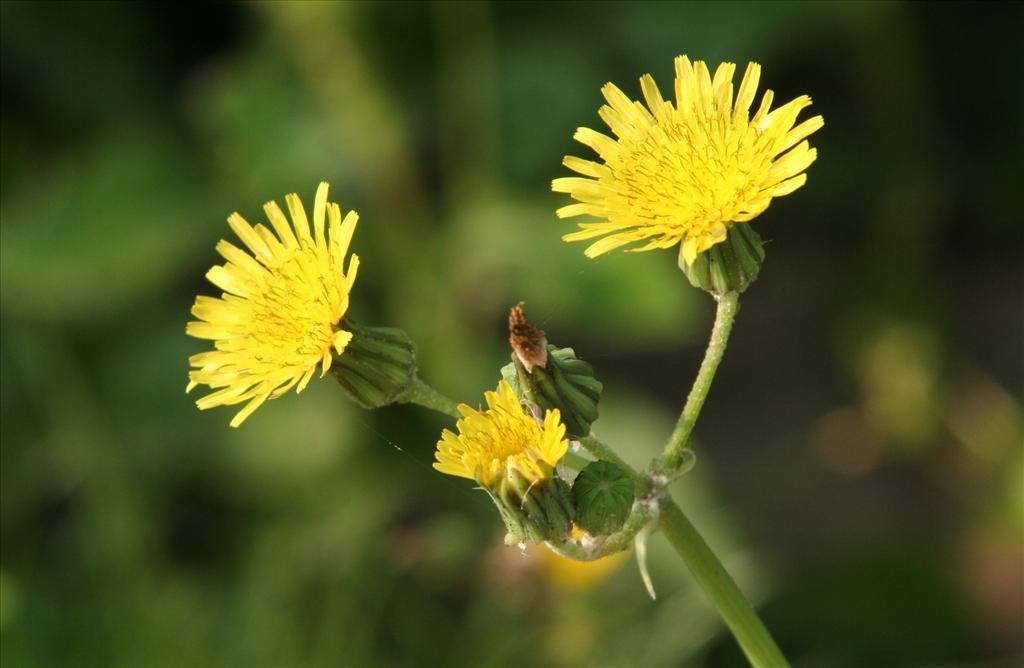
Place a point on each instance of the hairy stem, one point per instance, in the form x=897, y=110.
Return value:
x=424, y=395
x=728, y=305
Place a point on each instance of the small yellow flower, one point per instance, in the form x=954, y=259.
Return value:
x=688, y=171
x=279, y=316
x=502, y=438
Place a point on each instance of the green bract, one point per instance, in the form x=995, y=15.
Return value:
x=378, y=367
x=537, y=511
x=730, y=266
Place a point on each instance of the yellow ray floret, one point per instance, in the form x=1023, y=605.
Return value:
x=279, y=317
x=684, y=171
x=503, y=436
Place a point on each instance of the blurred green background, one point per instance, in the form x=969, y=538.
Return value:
x=860, y=456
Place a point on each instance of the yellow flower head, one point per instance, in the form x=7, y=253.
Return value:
x=278, y=318
x=503, y=437
x=688, y=171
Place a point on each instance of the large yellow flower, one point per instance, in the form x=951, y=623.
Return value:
x=279, y=317
x=688, y=171
x=501, y=438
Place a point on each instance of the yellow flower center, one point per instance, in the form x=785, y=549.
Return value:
x=695, y=174
x=295, y=311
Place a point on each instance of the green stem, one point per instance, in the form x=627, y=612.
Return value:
x=728, y=305
x=424, y=395
x=707, y=570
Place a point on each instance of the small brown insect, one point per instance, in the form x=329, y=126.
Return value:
x=529, y=343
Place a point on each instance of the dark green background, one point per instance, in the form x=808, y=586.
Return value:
x=860, y=456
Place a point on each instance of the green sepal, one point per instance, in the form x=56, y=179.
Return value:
x=566, y=383
x=534, y=512
x=730, y=266
x=377, y=367
x=604, y=496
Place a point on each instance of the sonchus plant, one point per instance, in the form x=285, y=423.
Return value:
x=692, y=171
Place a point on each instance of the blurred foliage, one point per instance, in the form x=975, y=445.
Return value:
x=865, y=429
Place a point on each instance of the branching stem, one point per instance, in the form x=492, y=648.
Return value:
x=655, y=508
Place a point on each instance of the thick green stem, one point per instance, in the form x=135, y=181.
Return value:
x=424, y=395
x=712, y=577
x=678, y=442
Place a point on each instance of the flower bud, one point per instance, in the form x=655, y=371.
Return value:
x=604, y=496
x=378, y=365
x=730, y=266
x=551, y=377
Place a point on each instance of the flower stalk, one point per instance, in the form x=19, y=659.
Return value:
x=678, y=443
x=421, y=394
